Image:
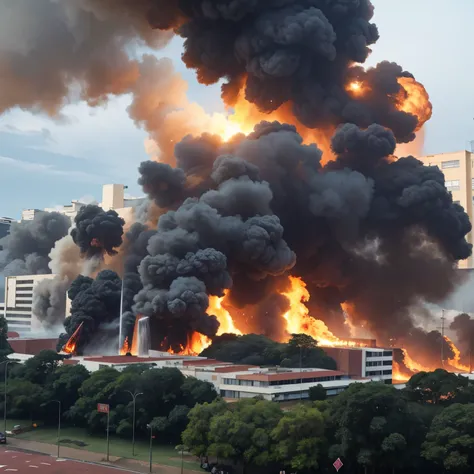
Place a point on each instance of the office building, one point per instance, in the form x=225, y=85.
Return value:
x=19, y=300
x=372, y=362
x=113, y=198
x=457, y=168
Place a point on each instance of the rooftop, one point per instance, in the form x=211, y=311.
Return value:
x=278, y=376
x=127, y=359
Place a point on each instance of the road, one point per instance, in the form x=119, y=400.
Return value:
x=21, y=462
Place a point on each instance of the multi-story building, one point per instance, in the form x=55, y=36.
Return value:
x=457, y=168
x=374, y=363
x=19, y=301
x=5, y=223
x=113, y=198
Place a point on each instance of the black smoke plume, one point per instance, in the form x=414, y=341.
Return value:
x=26, y=249
x=292, y=52
x=97, y=231
x=381, y=234
x=96, y=304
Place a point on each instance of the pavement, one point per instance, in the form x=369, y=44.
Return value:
x=77, y=461
x=20, y=462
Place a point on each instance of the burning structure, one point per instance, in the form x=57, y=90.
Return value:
x=291, y=214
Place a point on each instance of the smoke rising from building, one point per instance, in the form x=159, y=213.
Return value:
x=237, y=217
x=26, y=249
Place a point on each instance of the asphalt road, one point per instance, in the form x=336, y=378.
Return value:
x=12, y=461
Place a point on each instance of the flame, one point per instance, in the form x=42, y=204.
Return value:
x=357, y=88
x=414, y=100
x=131, y=347
x=126, y=348
x=455, y=361
x=71, y=344
x=298, y=319
x=226, y=323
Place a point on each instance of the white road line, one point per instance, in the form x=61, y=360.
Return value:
x=32, y=465
x=46, y=464
x=14, y=470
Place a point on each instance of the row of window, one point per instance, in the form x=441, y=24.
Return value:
x=25, y=282
x=378, y=372
x=19, y=323
x=378, y=363
x=19, y=290
x=452, y=184
x=258, y=383
x=11, y=316
x=379, y=354
x=450, y=164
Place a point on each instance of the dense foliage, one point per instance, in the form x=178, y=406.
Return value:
x=166, y=399
x=253, y=349
x=372, y=427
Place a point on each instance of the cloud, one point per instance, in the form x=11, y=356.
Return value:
x=33, y=167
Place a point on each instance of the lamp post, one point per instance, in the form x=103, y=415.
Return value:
x=134, y=397
x=5, y=396
x=59, y=420
x=151, y=446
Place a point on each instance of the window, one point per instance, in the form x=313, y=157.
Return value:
x=387, y=353
x=450, y=164
x=25, y=282
x=19, y=323
x=387, y=372
x=20, y=289
x=15, y=316
x=472, y=183
x=374, y=354
x=387, y=362
x=452, y=185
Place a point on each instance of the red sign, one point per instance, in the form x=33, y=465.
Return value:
x=338, y=464
x=102, y=408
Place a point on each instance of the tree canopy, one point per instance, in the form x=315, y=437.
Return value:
x=255, y=349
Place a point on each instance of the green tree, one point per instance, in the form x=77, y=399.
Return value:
x=65, y=384
x=436, y=387
x=197, y=391
x=5, y=348
x=300, y=438
x=242, y=434
x=196, y=434
x=318, y=392
x=369, y=423
x=25, y=399
x=40, y=368
x=450, y=440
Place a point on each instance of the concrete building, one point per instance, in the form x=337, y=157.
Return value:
x=113, y=198
x=372, y=362
x=457, y=168
x=18, y=302
x=5, y=223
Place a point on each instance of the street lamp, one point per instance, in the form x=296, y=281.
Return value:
x=6, y=362
x=151, y=445
x=134, y=397
x=59, y=420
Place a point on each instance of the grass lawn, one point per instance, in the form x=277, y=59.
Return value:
x=162, y=454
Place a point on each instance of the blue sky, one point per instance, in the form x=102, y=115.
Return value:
x=46, y=163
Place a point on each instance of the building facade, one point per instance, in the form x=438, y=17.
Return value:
x=457, y=168
x=18, y=307
x=371, y=362
x=5, y=223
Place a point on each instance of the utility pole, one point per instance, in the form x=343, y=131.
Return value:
x=443, y=319
x=5, y=397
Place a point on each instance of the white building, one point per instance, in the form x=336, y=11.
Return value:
x=232, y=381
x=113, y=198
x=18, y=302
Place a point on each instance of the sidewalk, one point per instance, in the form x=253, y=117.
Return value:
x=130, y=465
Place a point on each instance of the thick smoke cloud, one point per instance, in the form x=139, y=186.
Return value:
x=359, y=226
x=298, y=52
x=26, y=249
x=51, y=49
x=97, y=231
x=96, y=304
x=463, y=325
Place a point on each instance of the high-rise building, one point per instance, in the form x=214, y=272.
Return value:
x=19, y=302
x=458, y=171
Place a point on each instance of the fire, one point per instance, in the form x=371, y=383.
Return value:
x=226, y=323
x=455, y=361
x=414, y=100
x=356, y=88
x=413, y=365
x=126, y=348
x=298, y=319
x=71, y=345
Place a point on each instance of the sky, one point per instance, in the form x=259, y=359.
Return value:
x=46, y=163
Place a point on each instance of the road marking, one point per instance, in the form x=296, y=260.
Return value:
x=14, y=470
x=46, y=464
x=31, y=465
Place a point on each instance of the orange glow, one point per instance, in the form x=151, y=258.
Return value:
x=226, y=323
x=357, y=88
x=455, y=361
x=299, y=321
x=413, y=365
x=70, y=346
x=125, y=349
x=414, y=99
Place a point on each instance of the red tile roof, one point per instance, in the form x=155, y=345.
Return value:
x=273, y=377
x=199, y=362
x=234, y=368
x=128, y=359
